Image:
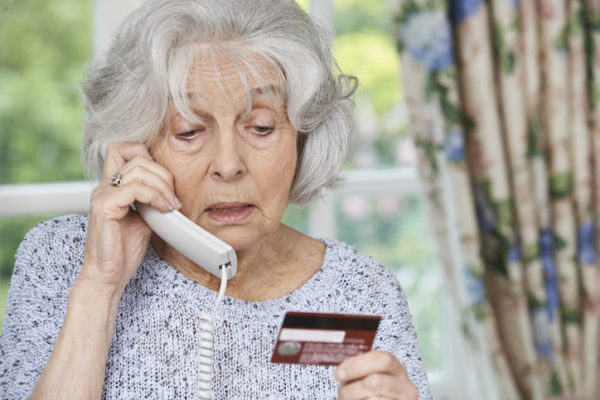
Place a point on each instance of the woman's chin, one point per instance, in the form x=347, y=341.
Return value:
x=243, y=239
x=238, y=240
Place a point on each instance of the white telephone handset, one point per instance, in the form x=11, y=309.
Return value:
x=209, y=252
x=203, y=248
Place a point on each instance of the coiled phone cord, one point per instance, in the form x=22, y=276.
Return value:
x=206, y=340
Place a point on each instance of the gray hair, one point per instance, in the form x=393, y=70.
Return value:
x=128, y=91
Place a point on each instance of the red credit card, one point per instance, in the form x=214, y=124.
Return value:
x=323, y=339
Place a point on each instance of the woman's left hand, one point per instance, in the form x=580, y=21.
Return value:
x=374, y=375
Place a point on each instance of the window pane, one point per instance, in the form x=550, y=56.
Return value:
x=395, y=232
x=305, y=4
x=296, y=217
x=44, y=47
x=364, y=47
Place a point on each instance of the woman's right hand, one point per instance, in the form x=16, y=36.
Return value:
x=116, y=242
x=117, y=237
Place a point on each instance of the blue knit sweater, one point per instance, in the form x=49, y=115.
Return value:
x=153, y=353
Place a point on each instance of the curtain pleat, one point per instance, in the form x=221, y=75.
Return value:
x=486, y=158
x=547, y=325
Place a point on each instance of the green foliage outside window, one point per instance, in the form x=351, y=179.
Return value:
x=44, y=46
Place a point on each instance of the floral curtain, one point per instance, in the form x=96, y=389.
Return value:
x=504, y=101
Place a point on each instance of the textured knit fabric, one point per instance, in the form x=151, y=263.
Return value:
x=153, y=353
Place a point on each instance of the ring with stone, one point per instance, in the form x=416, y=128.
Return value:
x=116, y=180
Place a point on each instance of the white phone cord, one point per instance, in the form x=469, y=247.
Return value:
x=205, y=347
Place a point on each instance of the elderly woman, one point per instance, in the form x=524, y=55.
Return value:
x=225, y=111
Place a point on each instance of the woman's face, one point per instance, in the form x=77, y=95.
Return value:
x=234, y=169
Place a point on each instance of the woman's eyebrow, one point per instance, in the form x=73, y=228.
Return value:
x=270, y=91
x=267, y=89
x=196, y=97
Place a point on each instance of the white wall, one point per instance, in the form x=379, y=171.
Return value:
x=108, y=14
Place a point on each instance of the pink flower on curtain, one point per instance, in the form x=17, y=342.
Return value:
x=547, y=10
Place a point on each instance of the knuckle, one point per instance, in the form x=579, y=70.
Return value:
x=138, y=166
x=98, y=205
x=96, y=191
x=138, y=160
x=112, y=147
x=133, y=169
x=388, y=360
x=143, y=192
x=135, y=187
x=97, y=196
x=374, y=382
x=139, y=146
x=141, y=151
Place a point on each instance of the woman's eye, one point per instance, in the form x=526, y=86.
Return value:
x=189, y=135
x=262, y=130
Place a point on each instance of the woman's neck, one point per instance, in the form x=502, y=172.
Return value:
x=272, y=268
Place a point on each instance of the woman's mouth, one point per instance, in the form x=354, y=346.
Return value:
x=228, y=213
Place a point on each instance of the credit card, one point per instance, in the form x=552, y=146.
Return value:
x=323, y=338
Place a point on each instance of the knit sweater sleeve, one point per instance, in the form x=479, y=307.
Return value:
x=368, y=287
x=45, y=268
x=397, y=334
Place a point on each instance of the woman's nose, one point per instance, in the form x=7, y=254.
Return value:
x=227, y=163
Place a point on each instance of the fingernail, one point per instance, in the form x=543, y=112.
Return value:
x=170, y=205
x=176, y=203
x=339, y=375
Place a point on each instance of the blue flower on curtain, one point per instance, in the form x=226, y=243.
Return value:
x=541, y=333
x=428, y=40
x=551, y=284
x=484, y=211
x=475, y=287
x=586, y=254
x=454, y=145
x=514, y=254
x=461, y=9
x=515, y=4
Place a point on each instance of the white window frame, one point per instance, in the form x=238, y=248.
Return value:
x=67, y=197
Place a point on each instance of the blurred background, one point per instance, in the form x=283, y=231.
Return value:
x=44, y=47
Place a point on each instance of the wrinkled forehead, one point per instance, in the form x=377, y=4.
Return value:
x=228, y=74
x=220, y=71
